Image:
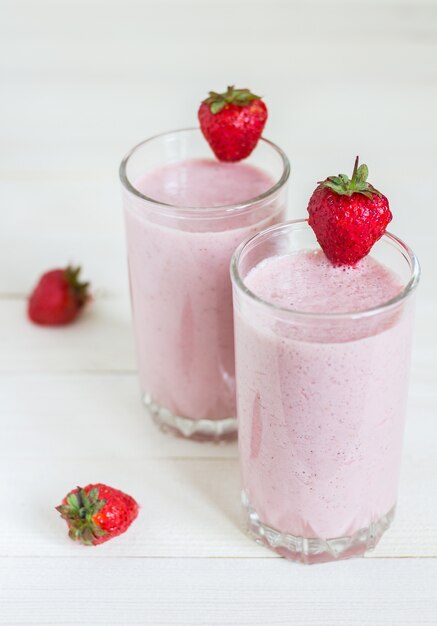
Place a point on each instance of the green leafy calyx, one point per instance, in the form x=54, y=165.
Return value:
x=345, y=186
x=80, y=289
x=240, y=97
x=79, y=511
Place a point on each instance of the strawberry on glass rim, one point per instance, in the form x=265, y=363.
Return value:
x=232, y=122
x=348, y=216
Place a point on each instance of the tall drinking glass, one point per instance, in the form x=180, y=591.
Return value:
x=179, y=253
x=321, y=400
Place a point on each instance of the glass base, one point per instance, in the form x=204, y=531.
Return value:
x=315, y=550
x=198, y=430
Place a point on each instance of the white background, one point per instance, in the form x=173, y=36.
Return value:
x=82, y=81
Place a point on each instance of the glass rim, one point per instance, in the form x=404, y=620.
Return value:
x=239, y=206
x=362, y=313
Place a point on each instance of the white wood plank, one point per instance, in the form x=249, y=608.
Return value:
x=57, y=407
x=68, y=221
x=47, y=415
x=190, y=506
x=101, y=339
x=95, y=91
x=71, y=134
x=57, y=25
x=221, y=592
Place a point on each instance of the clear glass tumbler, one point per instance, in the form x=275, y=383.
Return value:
x=321, y=401
x=181, y=292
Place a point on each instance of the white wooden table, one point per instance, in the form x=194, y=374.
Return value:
x=82, y=82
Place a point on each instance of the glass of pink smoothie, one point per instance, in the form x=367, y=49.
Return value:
x=322, y=362
x=185, y=213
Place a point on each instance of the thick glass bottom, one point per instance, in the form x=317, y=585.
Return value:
x=315, y=550
x=198, y=430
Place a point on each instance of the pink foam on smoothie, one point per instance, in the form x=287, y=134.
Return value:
x=180, y=285
x=321, y=412
x=309, y=282
x=204, y=183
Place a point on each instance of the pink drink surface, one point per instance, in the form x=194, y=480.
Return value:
x=321, y=413
x=204, y=183
x=180, y=285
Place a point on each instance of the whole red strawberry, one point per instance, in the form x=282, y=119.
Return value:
x=348, y=216
x=232, y=122
x=97, y=513
x=58, y=297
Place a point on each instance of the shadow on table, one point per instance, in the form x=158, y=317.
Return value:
x=217, y=480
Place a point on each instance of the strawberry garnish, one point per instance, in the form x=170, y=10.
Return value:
x=232, y=122
x=58, y=297
x=348, y=216
x=97, y=513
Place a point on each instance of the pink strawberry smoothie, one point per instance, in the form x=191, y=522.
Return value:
x=321, y=413
x=180, y=285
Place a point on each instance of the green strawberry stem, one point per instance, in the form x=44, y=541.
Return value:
x=80, y=289
x=354, y=173
x=344, y=186
x=79, y=512
x=240, y=97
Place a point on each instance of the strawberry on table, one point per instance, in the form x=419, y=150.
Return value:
x=232, y=122
x=348, y=216
x=97, y=513
x=58, y=297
